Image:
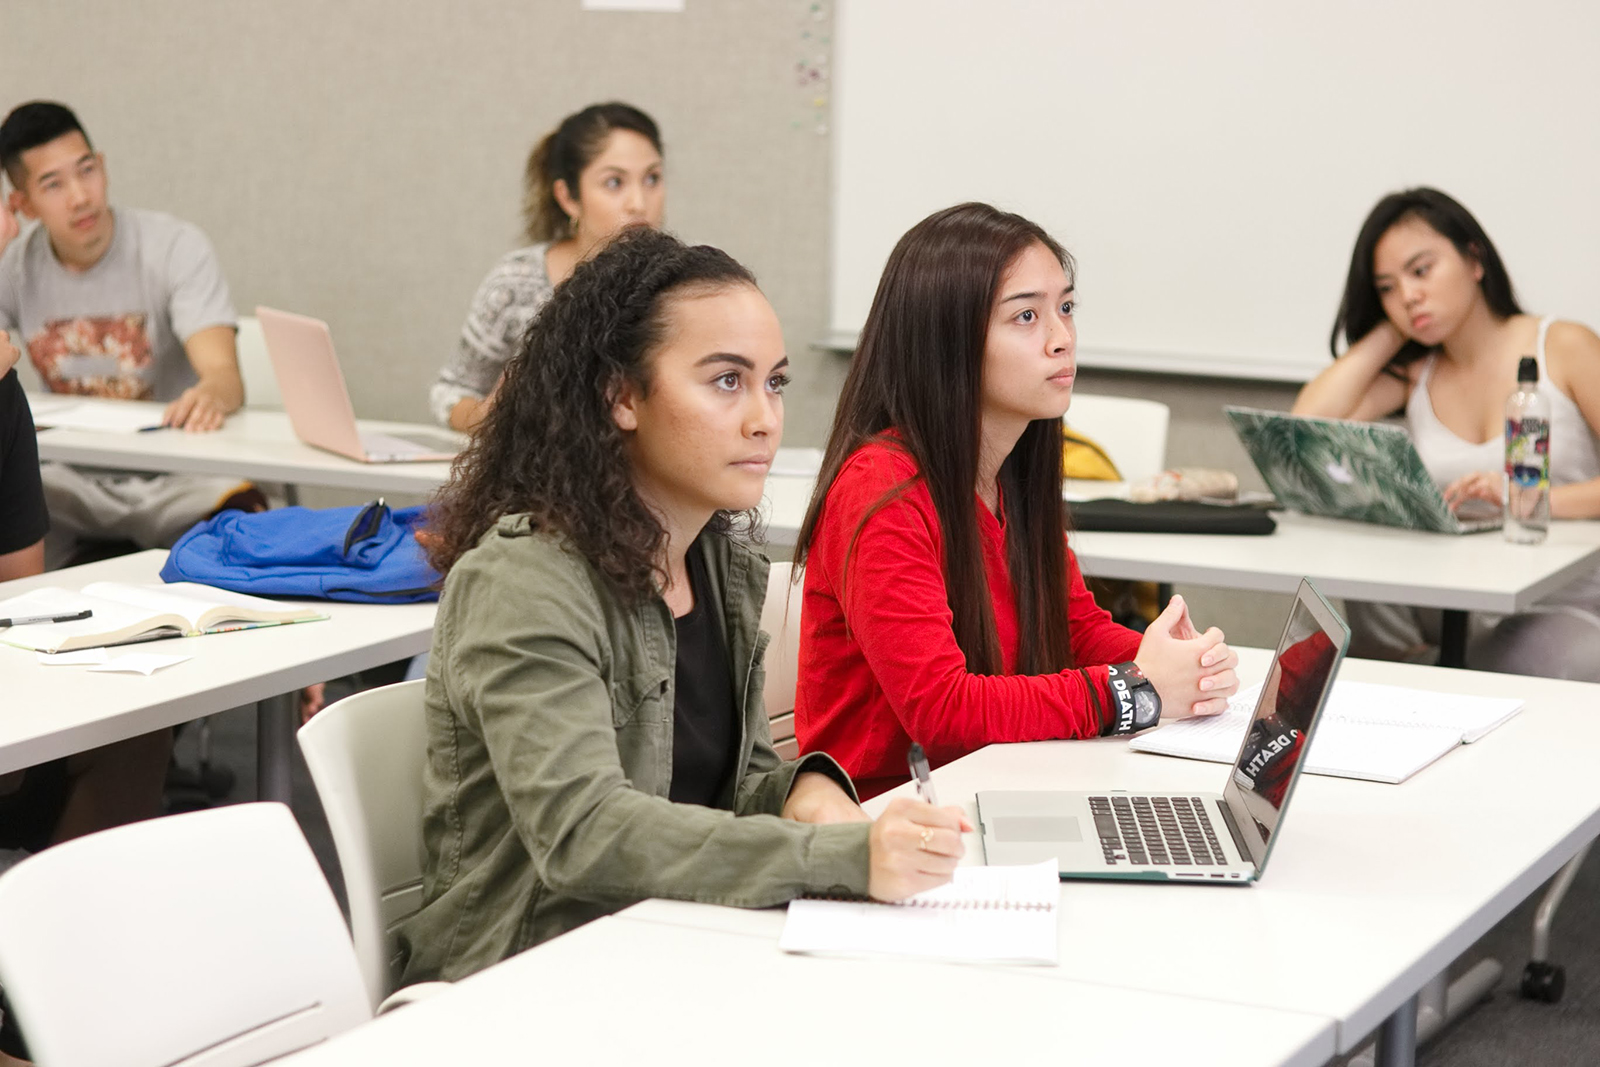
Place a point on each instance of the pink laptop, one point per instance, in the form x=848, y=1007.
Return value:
x=314, y=395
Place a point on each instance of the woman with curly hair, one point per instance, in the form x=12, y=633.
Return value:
x=598, y=172
x=596, y=733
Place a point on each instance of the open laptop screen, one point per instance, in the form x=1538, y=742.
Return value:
x=1362, y=471
x=1294, y=691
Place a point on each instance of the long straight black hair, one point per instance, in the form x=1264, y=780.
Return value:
x=918, y=371
x=1361, y=308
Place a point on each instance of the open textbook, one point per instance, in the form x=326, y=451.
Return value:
x=125, y=613
x=1382, y=733
x=998, y=914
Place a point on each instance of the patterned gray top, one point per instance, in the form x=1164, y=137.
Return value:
x=506, y=302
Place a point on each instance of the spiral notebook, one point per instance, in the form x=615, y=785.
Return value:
x=1381, y=733
x=987, y=914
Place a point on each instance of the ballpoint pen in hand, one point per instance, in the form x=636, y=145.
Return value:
x=919, y=771
x=29, y=620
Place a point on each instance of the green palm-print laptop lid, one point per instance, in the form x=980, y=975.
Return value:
x=1363, y=471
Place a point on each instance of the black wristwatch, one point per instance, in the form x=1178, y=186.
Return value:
x=1135, y=705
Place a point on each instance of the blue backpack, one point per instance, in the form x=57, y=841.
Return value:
x=366, y=553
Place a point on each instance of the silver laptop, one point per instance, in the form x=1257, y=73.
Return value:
x=318, y=404
x=1365, y=471
x=1216, y=838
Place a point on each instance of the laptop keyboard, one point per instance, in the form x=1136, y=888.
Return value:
x=1163, y=831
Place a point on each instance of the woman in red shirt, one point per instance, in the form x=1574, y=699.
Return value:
x=941, y=604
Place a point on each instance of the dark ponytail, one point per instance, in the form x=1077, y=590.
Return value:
x=562, y=155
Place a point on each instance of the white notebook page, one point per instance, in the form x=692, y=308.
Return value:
x=1382, y=733
x=985, y=913
x=105, y=416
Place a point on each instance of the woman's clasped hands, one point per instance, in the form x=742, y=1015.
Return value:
x=1193, y=672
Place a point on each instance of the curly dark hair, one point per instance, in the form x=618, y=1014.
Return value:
x=549, y=446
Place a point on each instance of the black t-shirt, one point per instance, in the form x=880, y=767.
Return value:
x=705, y=727
x=23, y=519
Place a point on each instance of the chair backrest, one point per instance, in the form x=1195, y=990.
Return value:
x=1132, y=431
x=366, y=754
x=202, y=940
x=780, y=617
x=260, y=382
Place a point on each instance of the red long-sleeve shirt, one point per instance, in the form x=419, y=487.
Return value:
x=879, y=663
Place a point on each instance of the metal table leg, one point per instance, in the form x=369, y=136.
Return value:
x=1542, y=979
x=1397, y=1037
x=1552, y=900
x=276, y=720
x=1453, y=639
x=1439, y=1004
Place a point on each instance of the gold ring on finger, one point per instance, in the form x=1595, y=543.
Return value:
x=927, y=835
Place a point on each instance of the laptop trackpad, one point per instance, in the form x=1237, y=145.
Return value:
x=1009, y=829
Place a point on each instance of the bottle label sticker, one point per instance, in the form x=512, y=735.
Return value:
x=1528, y=452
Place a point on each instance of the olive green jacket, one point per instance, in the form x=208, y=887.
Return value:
x=550, y=715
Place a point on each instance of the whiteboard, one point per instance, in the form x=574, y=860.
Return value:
x=1209, y=163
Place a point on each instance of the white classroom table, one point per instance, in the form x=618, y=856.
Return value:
x=48, y=711
x=1350, y=560
x=616, y=992
x=1371, y=891
x=258, y=445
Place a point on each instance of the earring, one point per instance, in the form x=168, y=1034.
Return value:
x=572, y=225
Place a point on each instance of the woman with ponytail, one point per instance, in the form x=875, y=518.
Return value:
x=595, y=174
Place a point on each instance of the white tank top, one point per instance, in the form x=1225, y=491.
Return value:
x=1574, y=452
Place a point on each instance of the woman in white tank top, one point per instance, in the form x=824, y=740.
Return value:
x=1438, y=336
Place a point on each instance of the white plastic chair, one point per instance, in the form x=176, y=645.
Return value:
x=255, y=367
x=780, y=617
x=366, y=754
x=202, y=940
x=1132, y=431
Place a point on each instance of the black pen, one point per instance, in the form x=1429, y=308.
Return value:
x=29, y=620
x=918, y=760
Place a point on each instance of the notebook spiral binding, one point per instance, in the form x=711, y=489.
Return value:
x=938, y=905
x=978, y=905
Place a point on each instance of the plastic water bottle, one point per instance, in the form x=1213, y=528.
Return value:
x=1527, y=498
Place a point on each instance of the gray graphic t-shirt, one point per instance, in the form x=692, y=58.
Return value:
x=116, y=329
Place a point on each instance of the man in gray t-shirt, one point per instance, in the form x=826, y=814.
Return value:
x=117, y=329
x=112, y=303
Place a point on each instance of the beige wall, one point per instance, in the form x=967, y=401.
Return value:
x=360, y=160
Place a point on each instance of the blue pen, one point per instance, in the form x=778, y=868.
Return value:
x=918, y=760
